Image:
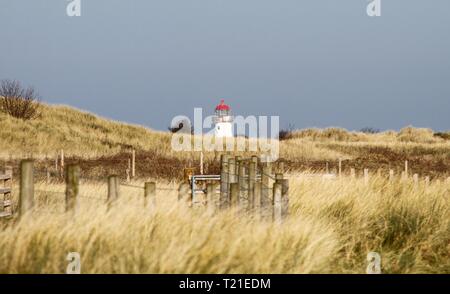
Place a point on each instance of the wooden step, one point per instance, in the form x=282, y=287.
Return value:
x=5, y=190
x=5, y=177
x=5, y=214
x=7, y=203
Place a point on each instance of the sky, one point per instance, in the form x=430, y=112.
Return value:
x=313, y=63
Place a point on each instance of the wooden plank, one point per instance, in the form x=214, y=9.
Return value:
x=5, y=177
x=7, y=203
x=5, y=190
x=5, y=214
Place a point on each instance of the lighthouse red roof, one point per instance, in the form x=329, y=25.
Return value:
x=222, y=106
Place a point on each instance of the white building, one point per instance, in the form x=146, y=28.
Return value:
x=223, y=121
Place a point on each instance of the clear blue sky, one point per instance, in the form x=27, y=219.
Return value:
x=315, y=63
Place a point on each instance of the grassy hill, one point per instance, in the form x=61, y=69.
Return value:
x=84, y=137
x=77, y=132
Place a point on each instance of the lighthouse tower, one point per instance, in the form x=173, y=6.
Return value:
x=223, y=121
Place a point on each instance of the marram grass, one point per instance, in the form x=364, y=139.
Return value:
x=331, y=228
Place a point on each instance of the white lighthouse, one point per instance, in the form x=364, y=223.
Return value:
x=223, y=121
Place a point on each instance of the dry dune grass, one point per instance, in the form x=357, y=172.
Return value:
x=86, y=135
x=331, y=228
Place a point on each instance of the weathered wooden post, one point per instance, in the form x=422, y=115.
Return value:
x=366, y=176
x=234, y=192
x=406, y=169
x=150, y=194
x=211, y=197
x=265, y=181
x=284, y=197
x=281, y=167
x=277, y=205
x=47, y=173
x=251, y=183
x=243, y=183
x=327, y=168
x=266, y=203
x=257, y=197
x=232, y=178
x=278, y=177
x=236, y=171
x=133, y=163
x=26, y=186
x=427, y=181
x=113, y=189
x=403, y=176
x=224, y=195
x=416, y=180
x=391, y=175
x=352, y=173
x=184, y=191
x=340, y=167
x=127, y=171
x=72, y=186
x=62, y=162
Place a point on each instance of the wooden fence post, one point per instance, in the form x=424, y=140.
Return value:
x=232, y=178
x=257, y=197
x=26, y=186
x=427, y=181
x=352, y=173
x=150, y=194
x=113, y=188
x=72, y=186
x=243, y=183
x=284, y=197
x=366, y=176
x=224, y=195
x=403, y=177
x=416, y=179
x=234, y=194
x=277, y=206
x=391, y=175
x=62, y=160
x=47, y=172
x=236, y=170
x=406, y=169
x=340, y=167
x=281, y=167
x=266, y=203
x=251, y=183
x=133, y=163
